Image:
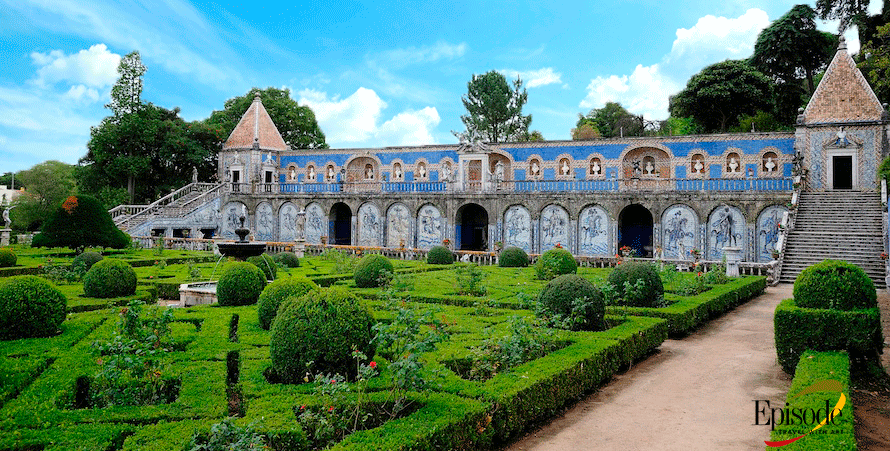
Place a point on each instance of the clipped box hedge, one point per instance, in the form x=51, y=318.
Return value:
x=800, y=329
x=689, y=312
x=815, y=367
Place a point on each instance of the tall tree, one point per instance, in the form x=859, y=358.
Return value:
x=718, y=95
x=614, y=120
x=495, y=109
x=126, y=94
x=296, y=123
x=876, y=63
x=792, y=49
x=48, y=184
x=848, y=12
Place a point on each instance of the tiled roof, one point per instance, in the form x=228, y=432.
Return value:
x=255, y=127
x=843, y=94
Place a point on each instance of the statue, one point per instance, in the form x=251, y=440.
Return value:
x=311, y=173
x=194, y=174
x=6, y=220
x=293, y=173
x=595, y=169
x=649, y=168
x=330, y=173
x=535, y=168
x=636, y=168
x=446, y=172
x=733, y=164
x=841, y=140
x=499, y=171
x=698, y=166
x=300, y=223
x=421, y=169
x=565, y=167
x=770, y=164
x=398, y=172
x=369, y=172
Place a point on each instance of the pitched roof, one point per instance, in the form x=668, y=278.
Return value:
x=843, y=95
x=257, y=127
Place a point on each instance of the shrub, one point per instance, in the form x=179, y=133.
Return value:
x=574, y=299
x=646, y=287
x=317, y=333
x=226, y=436
x=79, y=222
x=30, y=307
x=371, y=270
x=799, y=329
x=513, y=257
x=266, y=264
x=86, y=260
x=109, y=278
x=555, y=262
x=836, y=285
x=240, y=284
x=7, y=258
x=276, y=293
x=439, y=255
x=469, y=280
x=287, y=259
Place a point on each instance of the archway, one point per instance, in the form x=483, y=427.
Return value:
x=635, y=229
x=340, y=224
x=471, y=228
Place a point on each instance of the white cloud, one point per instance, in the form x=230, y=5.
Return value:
x=534, y=78
x=417, y=55
x=95, y=67
x=354, y=120
x=81, y=92
x=711, y=40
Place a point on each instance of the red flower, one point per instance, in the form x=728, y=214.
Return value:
x=303, y=407
x=699, y=274
x=331, y=409
x=333, y=381
x=373, y=364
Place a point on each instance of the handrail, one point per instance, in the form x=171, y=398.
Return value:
x=789, y=220
x=164, y=201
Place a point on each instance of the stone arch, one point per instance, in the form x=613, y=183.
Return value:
x=633, y=161
x=555, y=227
x=596, y=161
x=363, y=168
x=431, y=226
x=636, y=225
x=399, y=226
x=471, y=227
x=680, y=230
x=698, y=163
x=770, y=154
x=330, y=168
x=726, y=227
x=230, y=220
x=518, y=228
x=505, y=159
x=340, y=224
x=291, y=173
x=421, y=170
x=311, y=172
x=594, y=227
x=397, y=170
x=369, y=225
x=734, y=157
x=287, y=222
x=531, y=163
x=768, y=222
x=316, y=223
x=564, y=166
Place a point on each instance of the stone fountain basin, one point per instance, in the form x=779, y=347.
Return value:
x=242, y=250
x=197, y=293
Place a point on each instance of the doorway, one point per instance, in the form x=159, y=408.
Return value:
x=340, y=227
x=472, y=228
x=635, y=229
x=842, y=172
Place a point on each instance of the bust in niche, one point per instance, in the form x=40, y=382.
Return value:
x=398, y=172
x=535, y=168
x=565, y=167
x=698, y=167
x=421, y=169
x=446, y=172
x=499, y=171
x=369, y=172
x=311, y=173
x=330, y=173
x=733, y=164
x=595, y=169
x=770, y=164
x=649, y=167
x=293, y=173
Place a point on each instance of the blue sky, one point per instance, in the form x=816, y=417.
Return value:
x=375, y=73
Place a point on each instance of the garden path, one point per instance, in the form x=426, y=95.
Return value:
x=694, y=394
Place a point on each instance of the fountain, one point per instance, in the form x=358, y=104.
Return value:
x=198, y=293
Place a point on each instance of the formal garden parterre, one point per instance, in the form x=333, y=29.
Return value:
x=463, y=357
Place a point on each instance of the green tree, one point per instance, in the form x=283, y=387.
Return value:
x=791, y=48
x=585, y=131
x=48, y=184
x=78, y=222
x=495, y=109
x=876, y=63
x=848, y=12
x=6, y=180
x=296, y=123
x=126, y=94
x=721, y=93
x=614, y=120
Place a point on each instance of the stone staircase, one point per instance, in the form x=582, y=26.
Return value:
x=175, y=204
x=838, y=225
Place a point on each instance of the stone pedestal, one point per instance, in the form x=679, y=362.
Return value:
x=4, y=237
x=300, y=248
x=733, y=257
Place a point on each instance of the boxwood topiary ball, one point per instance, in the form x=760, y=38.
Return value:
x=266, y=264
x=555, y=262
x=439, y=255
x=240, y=284
x=276, y=293
x=321, y=327
x=560, y=294
x=370, y=270
x=30, y=306
x=109, y=278
x=513, y=257
x=7, y=257
x=652, y=290
x=834, y=284
x=86, y=260
x=287, y=259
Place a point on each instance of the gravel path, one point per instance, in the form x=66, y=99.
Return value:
x=694, y=394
